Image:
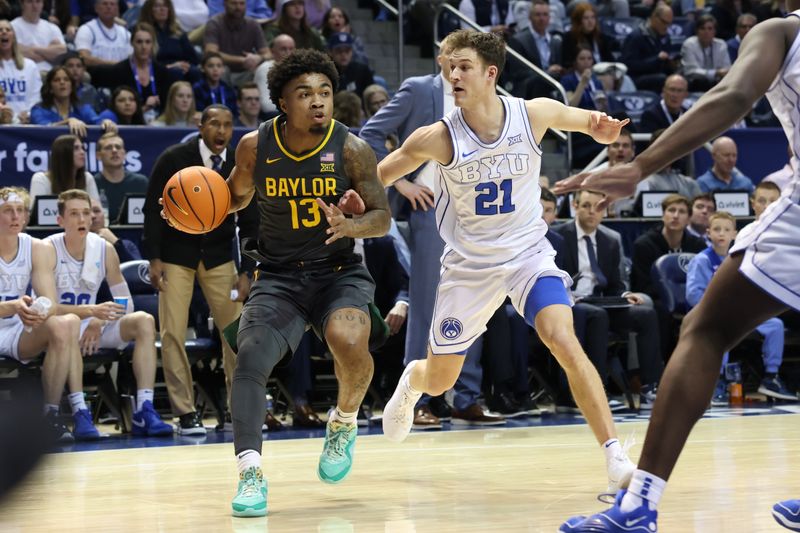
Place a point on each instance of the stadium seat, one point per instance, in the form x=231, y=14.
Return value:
x=669, y=276
x=680, y=29
x=616, y=29
x=633, y=104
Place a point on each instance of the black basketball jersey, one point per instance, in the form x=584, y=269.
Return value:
x=293, y=227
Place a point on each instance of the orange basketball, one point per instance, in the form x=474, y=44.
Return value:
x=196, y=200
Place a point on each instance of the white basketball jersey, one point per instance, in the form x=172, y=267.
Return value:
x=71, y=288
x=487, y=198
x=15, y=277
x=784, y=97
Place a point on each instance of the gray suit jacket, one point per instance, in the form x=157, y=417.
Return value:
x=692, y=59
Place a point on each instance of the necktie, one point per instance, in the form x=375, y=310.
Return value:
x=601, y=279
x=216, y=163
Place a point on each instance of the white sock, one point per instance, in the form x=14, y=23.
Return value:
x=344, y=417
x=407, y=383
x=143, y=395
x=50, y=408
x=247, y=459
x=611, y=448
x=644, y=487
x=76, y=402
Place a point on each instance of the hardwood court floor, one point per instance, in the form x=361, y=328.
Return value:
x=506, y=480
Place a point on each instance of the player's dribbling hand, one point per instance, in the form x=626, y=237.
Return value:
x=351, y=203
x=615, y=182
x=341, y=226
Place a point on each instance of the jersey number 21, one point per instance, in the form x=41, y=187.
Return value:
x=486, y=202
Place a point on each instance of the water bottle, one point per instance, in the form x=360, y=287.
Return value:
x=41, y=306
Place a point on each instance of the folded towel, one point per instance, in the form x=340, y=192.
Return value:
x=92, y=258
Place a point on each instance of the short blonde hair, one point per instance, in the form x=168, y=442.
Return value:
x=72, y=194
x=723, y=215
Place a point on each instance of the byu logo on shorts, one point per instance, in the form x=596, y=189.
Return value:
x=451, y=328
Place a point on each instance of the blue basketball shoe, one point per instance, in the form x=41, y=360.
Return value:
x=337, y=454
x=787, y=514
x=147, y=423
x=84, y=427
x=641, y=520
x=251, y=494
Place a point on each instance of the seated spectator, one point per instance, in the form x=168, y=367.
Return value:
x=59, y=106
x=353, y=76
x=703, y=207
x=585, y=31
x=59, y=12
x=347, y=109
x=375, y=97
x=125, y=107
x=316, y=11
x=726, y=12
x=593, y=260
x=249, y=105
x=66, y=170
x=620, y=152
x=38, y=39
x=292, y=21
x=19, y=76
x=280, y=47
x=647, y=53
x=662, y=114
x=491, y=15
x=101, y=41
x=744, y=24
x=558, y=17
x=257, y=10
x=126, y=250
x=180, y=111
x=212, y=89
x=540, y=47
x=668, y=179
x=6, y=113
x=115, y=181
x=174, y=49
x=238, y=39
x=84, y=10
x=765, y=193
x=721, y=232
x=584, y=89
x=704, y=58
x=141, y=71
x=337, y=20
x=192, y=16
x=86, y=92
x=723, y=175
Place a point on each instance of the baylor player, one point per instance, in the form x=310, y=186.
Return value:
x=299, y=165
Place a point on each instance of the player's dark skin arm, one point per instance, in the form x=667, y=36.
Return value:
x=240, y=182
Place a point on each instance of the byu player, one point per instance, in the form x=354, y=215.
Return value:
x=23, y=261
x=84, y=259
x=760, y=275
x=489, y=215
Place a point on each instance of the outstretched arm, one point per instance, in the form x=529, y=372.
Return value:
x=240, y=182
x=429, y=143
x=546, y=113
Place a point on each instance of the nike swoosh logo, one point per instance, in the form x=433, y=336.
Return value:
x=468, y=154
x=138, y=424
x=174, y=201
x=629, y=523
x=270, y=161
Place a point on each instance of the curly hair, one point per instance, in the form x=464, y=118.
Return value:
x=300, y=62
x=490, y=47
x=48, y=99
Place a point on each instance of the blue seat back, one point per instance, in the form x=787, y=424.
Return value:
x=616, y=29
x=669, y=276
x=633, y=104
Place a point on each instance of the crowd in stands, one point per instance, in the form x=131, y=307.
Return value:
x=205, y=65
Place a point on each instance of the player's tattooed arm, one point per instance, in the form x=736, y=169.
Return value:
x=361, y=167
x=240, y=182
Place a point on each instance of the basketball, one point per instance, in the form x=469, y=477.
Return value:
x=196, y=200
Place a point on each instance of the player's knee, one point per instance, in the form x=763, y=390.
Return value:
x=259, y=350
x=346, y=345
x=64, y=328
x=558, y=338
x=145, y=324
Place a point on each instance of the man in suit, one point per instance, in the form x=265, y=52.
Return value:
x=177, y=258
x=538, y=46
x=662, y=114
x=593, y=259
x=421, y=101
x=646, y=51
x=704, y=57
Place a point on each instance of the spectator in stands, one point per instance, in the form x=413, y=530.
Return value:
x=703, y=207
x=744, y=24
x=280, y=47
x=337, y=20
x=765, y=193
x=141, y=71
x=85, y=10
x=723, y=175
x=662, y=114
x=59, y=12
x=292, y=21
x=31, y=260
x=316, y=11
x=721, y=232
x=540, y=47
x=353, y=76
x=584, y=89
x=59, y=106
x=375, y=97
x=115, y=181
x=492, y=15
x=66, y=170
x=192, y=16
x=38, y=39
x=177, y=259
x=257, y=10
x=125, y=108
x=249, y=105
x=180, y=110
x=585, y=31
x=726, y=12
x=19, y=76
x=174, y=49
x=87, y=93
x=593, y=259
x=704, y=58
x=239, y=41
x=6, y=113
x=212, y=89
x=668, y=179
x=348, y=109
x=126, y=250
x=101, y=41
x=646, y=51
